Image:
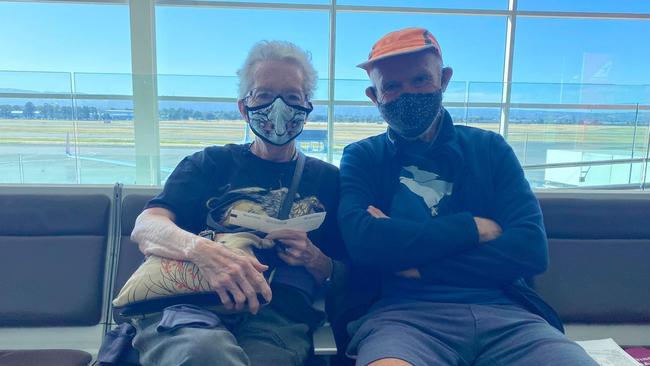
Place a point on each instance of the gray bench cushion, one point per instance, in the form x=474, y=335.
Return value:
x=599, y=247
x=598, y=281
x=46, y=357
x=53, y=253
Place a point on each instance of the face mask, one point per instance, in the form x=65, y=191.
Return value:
x=411, y=115
x=277, y=122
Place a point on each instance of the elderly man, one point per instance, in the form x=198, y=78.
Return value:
x=446, y=218
x=277, y=81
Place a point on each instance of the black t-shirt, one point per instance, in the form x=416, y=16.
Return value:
x=232, y=173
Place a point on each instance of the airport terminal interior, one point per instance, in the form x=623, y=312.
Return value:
x=101, y=100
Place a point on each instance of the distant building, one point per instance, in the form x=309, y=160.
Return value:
x=117, y=114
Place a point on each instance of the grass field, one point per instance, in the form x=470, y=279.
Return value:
x=38, y=151
x=196, y=134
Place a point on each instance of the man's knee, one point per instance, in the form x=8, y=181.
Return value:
x=389, y=362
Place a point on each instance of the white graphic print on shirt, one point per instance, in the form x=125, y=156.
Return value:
x=426, y=185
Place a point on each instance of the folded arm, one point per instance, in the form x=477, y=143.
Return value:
x=520, y=251
x=389, y=243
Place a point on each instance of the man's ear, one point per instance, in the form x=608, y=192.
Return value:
x=242, y=109
x=371, y=92
x=447, y=72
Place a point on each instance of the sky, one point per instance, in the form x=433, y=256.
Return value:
x=93, y=42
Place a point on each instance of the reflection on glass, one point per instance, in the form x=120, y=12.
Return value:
x=581, y=51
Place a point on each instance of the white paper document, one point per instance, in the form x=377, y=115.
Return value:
x=607, y=353
x=267, y=224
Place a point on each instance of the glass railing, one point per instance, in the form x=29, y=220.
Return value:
x=79, y=127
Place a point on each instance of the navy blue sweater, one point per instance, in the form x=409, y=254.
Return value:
x=488, y=182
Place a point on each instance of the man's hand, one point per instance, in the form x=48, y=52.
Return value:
x=409, y=273
x=298, y=250
x=376, y=213
x=231, y=272
x=379, y=214
x=487, y=229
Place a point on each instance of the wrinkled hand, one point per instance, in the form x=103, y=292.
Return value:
x=379, y=214
x=487, y=229
x=297, y=249
x=232, y=272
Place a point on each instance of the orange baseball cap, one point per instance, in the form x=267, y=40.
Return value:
x=407, y=40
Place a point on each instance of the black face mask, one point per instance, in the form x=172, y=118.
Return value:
x=411, y=115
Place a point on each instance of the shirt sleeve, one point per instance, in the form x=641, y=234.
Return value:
x=520, y=251
x=184, y=193
x=393, y=244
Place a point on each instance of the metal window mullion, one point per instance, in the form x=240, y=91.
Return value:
x=331, y=83
x=75, y=128
x=507, y=68
x=145, y=92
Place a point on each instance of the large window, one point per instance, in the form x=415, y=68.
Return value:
x=356, y=33
x=65, y=116
x=566, y=82
x=576, y=92
x=198, y=57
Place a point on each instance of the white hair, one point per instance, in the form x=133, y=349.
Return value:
x=277, y=51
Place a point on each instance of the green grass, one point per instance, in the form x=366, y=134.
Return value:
x=195, y=134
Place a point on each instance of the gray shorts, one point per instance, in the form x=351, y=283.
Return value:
x=425, y=334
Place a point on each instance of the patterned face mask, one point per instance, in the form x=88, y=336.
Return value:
x=278, y=122
x=411, y=115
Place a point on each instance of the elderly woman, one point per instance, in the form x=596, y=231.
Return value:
x=277, y=82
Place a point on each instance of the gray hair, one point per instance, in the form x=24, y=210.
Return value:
x=277, y=51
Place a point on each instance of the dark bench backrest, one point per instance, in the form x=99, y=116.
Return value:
x=129, y=257
x=52, y=261
x=599, y=248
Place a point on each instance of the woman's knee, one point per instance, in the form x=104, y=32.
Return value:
x=213, y=347
x=193, y=346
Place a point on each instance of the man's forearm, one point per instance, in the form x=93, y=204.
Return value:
x=517, y=253
x=395, y=245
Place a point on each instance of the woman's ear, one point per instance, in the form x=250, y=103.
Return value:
x=242, y=109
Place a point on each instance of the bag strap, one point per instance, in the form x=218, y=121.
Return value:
x=285, y=209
